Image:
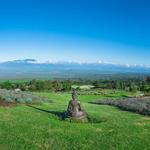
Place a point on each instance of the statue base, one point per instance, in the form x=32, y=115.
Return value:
x=77, y=118
x=82, y=119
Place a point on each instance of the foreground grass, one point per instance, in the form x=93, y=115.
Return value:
x=23, y=127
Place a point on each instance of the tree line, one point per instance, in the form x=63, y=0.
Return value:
x=38, y=85
x=131, y=85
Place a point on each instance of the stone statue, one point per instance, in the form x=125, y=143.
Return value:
x=74, y=108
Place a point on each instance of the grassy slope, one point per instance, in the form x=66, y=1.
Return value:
x=24, y=127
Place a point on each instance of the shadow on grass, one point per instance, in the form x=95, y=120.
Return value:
x=114, y=96
x=60, y=115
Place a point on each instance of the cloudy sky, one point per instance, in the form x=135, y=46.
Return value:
x=76, y=30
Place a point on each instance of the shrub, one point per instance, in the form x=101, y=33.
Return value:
x=138, y=105
x=20, y=97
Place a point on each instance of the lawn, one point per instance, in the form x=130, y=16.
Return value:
x=23, y=127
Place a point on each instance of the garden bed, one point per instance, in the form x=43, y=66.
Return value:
x=10, y=97
x=138, y=105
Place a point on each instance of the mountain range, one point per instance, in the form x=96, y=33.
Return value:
x=31, y=68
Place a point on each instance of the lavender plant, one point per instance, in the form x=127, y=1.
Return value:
x=20, y=97
x=138, y=105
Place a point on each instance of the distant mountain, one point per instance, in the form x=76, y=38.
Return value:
x=31, y=68
x=22, y=61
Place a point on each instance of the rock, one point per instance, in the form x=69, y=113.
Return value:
x=17, y=90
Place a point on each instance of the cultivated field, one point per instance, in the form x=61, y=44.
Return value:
x=40, y=126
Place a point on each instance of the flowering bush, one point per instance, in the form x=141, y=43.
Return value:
x=138, y=105
x=20, y=97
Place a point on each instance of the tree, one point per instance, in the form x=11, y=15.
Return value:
x=7, y=85
x=96, y=84
x=148, y=79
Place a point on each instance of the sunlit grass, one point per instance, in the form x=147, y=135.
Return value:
x=23, y=127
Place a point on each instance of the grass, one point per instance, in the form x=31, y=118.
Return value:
x=23, y=127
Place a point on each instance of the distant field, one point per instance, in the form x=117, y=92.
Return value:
x=23, y=127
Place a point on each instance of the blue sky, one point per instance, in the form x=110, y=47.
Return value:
x=76, y=30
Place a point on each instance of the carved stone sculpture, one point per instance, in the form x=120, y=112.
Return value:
x=74, y=110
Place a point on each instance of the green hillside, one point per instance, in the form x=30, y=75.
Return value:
x=40, y=127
